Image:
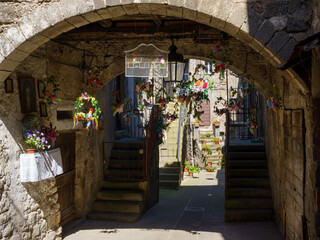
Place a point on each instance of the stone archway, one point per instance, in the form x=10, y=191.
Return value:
x=238, y=19
x=271, y=44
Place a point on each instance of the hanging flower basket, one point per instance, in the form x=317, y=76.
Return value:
x=87, y=111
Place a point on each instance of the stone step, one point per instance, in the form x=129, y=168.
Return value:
x=128, y=145
x=121, y=195
x=247, y=155
x=248, y=203
x=247, y=192
x=118, y=217
x=139, y=185
x=253, y=172
x=168, y=158
x=169, y=184
x=238, y=163
x=165, y=164
x=248, y=215
x=122, y=174
x=125, y=163
x=170, y=170
x=117, y=206
x=126, y=154
x=247, y=148
x=169, y=176
x=248, y=182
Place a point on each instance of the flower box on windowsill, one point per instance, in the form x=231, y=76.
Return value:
x=38, y=166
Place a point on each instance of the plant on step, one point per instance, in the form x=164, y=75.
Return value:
x=205, y=147
x=209, y=151
x=194, y=169
x=210, y=168
x=216, y=140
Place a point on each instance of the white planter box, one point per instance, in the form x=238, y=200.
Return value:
x=41, y=165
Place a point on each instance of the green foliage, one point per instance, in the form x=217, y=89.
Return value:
x=209, y=151
x=211, y=168
x=215, y=139
x=205, y=147
x=194, y=169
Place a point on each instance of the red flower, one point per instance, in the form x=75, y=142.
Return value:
x=205, y=85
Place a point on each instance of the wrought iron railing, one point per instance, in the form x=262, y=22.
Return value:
x=238, y=127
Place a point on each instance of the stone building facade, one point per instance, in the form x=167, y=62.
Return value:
x=262, y=35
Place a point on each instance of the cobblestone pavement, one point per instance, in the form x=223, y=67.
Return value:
x=194, y=212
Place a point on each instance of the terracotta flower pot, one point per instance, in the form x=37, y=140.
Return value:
x=209, y=163
x=190, y=174
x=30, y=151
x=186, y=170
x=217, y=142
x=204, y=142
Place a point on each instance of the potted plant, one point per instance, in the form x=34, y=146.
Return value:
x=193, y=170
x=186, y=165
x=36, y=140
x=216, y=140
x=209, y=151
x=205, y=147
x=216, y=122
x=196, y=124
x=210, y=168
x=209, y=163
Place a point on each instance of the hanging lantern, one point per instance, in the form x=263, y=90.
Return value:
x=146, y=61
x=176, y=65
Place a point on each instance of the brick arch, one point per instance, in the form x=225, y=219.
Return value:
x=50, y=20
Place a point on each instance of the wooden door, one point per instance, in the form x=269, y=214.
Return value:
x=65, y=181
x=205, y=117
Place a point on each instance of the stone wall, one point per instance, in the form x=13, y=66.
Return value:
x=31, y=210
x=291, y=165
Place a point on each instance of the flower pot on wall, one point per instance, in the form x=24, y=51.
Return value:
x=190, y=174
x=209, y=163
x=30, y=151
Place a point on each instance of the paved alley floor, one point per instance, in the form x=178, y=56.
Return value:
x=194, y=212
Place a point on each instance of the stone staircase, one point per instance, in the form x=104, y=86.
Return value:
x=214, y=157
x=122, y=196
x=170, y=168
x=248, y=194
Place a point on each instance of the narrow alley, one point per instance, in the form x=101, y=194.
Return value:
x=194, y=212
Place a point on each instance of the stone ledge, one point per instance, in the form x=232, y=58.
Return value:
x=50, y=32
x=117, y=11
x=131, y=9
x=92, y=17
x=144, y=8
x=27, y=46
x=104, y=13
x=158, y=9
x=77, y=21
x=174, y=11
x=8, y=65
x=17, y=55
